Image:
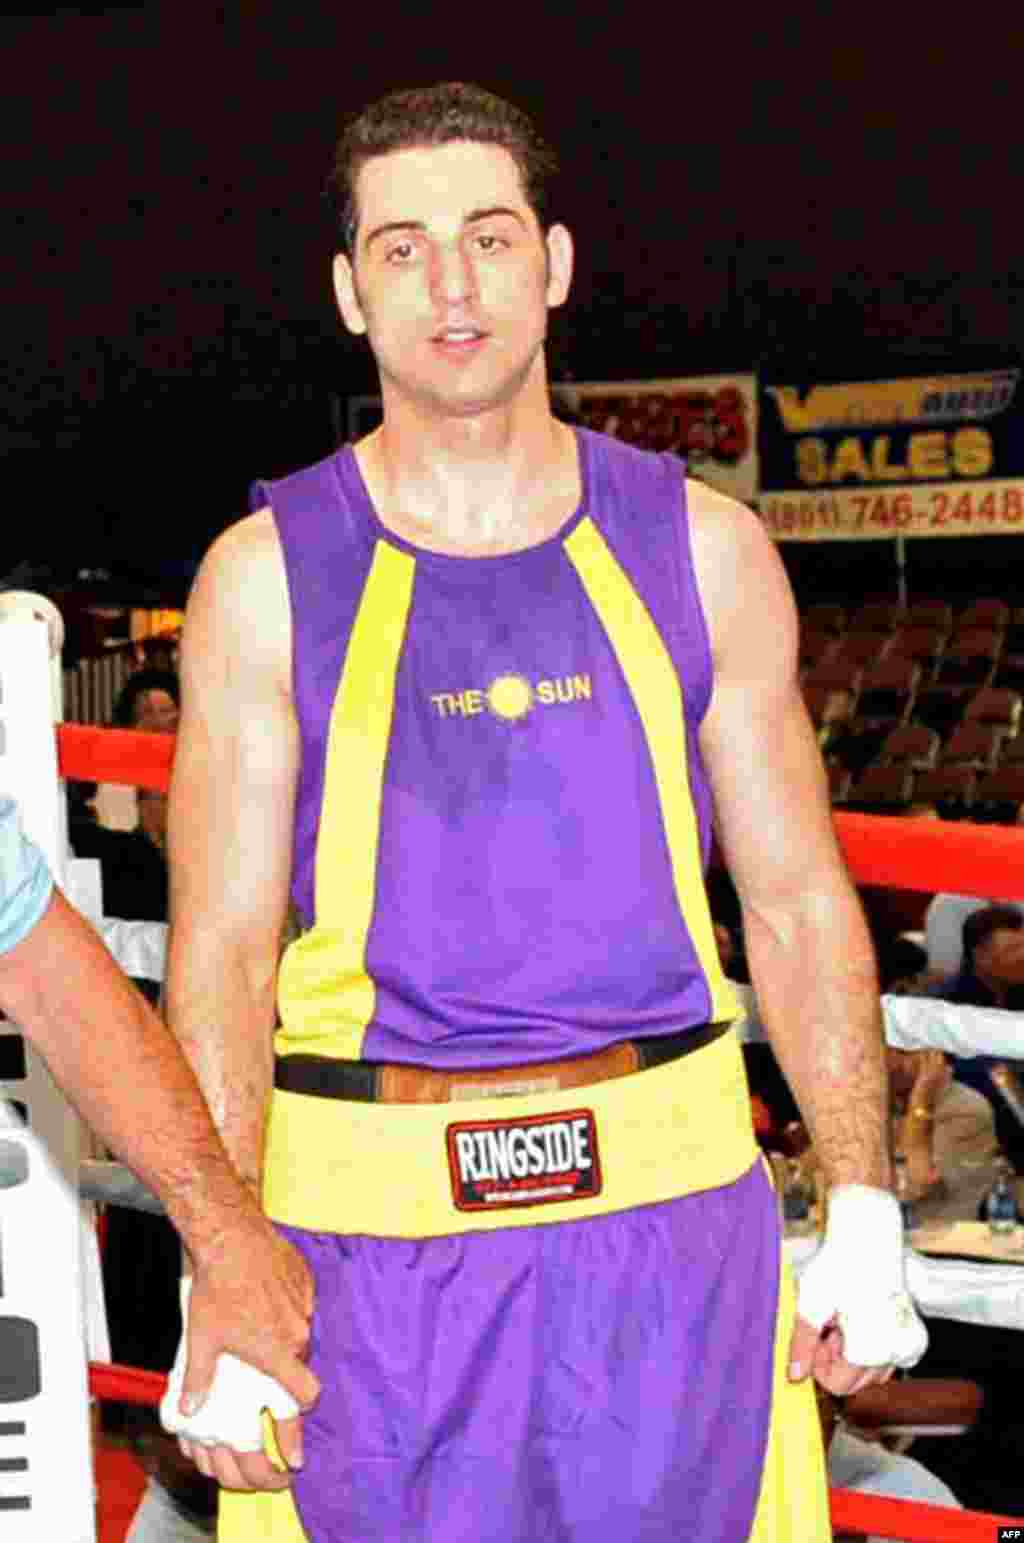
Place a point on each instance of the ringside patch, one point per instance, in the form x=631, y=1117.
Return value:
x=497, y=1164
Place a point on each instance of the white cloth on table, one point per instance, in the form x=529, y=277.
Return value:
x=990, y=1294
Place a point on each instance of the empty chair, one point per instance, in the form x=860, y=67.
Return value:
x=1009, y=675
x=816, y=647
x=878, y=616
x=839, y=782
x=974, y=744
x=1013, y=634
x=824, y=617
x=998, y=707
x=858, y=745
x=837, y=675
x=941, y=707
x=1000, y=796
x=970, y=658
x=915, y=1406
x=934, y=614
x=862, y=648
x=985, y=613
x=914, y=745
x=882, y=790
x=887, y=691
x=829, y=710
x=950, y=788
x=924, y=645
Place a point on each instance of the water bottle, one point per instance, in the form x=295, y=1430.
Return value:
x=1001, y=1201
x=901, y=1189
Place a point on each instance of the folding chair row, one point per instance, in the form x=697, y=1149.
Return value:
x=938, y=614
x=956, y=792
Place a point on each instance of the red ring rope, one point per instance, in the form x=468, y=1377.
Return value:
x=140, y=760
x=906, y=1519
x=851, y=1512
x=927, y=855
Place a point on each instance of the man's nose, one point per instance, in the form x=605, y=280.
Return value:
x=452, y=278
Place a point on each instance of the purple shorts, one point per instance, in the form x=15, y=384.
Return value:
x=601, y=1381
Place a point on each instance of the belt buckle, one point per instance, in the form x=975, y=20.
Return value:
x=521, y=1087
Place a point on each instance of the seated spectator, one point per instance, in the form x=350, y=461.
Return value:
x=992, y=975
x=944, y=930
x=149, y=700
x=869, y=1468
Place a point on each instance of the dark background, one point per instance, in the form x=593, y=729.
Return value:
x=834, y=194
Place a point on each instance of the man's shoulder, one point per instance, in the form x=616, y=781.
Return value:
x=246, y=551
x=267, y=491
x=239, y=604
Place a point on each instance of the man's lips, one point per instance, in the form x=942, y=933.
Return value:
x=458, y=338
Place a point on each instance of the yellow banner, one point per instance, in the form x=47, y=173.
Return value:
x=989, y=508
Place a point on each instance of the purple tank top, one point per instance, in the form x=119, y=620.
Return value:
x=502, y=818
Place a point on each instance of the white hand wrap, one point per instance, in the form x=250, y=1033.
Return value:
x=231, y=1415
x=857, y=1278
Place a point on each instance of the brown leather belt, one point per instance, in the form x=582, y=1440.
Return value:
x=384, y=1082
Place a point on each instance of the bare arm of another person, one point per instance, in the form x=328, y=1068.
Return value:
x=119, y=1064
x=229, y=847
x=810, y=954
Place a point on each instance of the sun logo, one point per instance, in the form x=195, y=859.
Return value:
x=510, y=696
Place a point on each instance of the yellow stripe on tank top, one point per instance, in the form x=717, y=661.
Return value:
x=326, y=996
x=654, y=685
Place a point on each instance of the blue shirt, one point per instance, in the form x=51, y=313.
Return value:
x=25, y=880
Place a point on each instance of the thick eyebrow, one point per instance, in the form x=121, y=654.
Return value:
x=488, y=214
x=472, y=218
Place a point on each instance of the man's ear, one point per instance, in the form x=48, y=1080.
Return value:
x=347, y=295
x=560, y=255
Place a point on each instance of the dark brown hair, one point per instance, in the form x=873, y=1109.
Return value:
x=980, y=926
x=438, y=115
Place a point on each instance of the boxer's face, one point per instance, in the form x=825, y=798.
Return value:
x=452, y=278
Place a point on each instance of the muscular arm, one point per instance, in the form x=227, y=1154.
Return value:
x=229, y=830
x=119, y=1064
x=809, y=951
x=229, y=850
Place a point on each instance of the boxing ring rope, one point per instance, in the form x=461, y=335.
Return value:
x=889, y=851
x=933, y=855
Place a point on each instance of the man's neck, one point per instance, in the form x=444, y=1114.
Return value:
x=485, y=485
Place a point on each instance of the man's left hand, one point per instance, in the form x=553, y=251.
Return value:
x=855, y=1319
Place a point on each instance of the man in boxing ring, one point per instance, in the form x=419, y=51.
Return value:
x=107, y=1049
x=469, y=691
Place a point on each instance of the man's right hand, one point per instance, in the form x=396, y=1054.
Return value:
x=249, y=1301
x=252, y=1295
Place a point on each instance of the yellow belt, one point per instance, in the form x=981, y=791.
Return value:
x=392, y=1170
